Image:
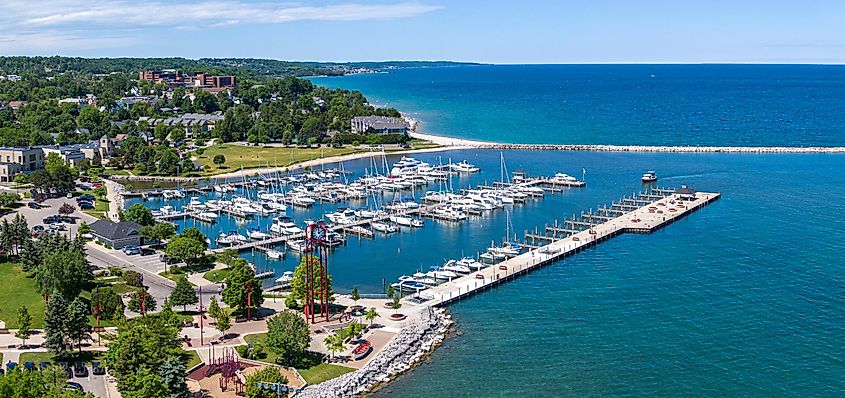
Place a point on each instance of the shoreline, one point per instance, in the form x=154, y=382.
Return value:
x=472, y=144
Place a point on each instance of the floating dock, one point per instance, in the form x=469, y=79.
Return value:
x=666, y=207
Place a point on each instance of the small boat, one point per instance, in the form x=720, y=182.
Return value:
x=649, y=176
x=297, y=245
x=226, y=239
x=439, y=273
x=383, y=227
x=256, y=234
x=401, y=220
x=208, y=214
x=275, y=254
x=453, y=266
x=286, y=277
x=362, y=350
x=417, y=222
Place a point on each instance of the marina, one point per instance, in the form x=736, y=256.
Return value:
x=546, y=249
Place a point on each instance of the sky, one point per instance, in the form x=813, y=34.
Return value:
x=491, y=31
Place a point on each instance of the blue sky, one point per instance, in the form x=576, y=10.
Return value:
x=595, y=31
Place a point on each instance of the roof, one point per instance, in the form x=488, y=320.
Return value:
x=114, y=231
x=381, y=122
x=685, y=190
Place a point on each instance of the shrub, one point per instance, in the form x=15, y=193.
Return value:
x=115, y=271
x=291, y=303
x=132, y=278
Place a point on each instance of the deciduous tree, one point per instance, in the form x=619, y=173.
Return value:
x=183, y=294
x=288, y=336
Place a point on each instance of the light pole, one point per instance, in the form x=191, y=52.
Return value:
x=143, y=296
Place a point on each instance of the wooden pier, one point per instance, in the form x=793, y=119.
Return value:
x=670, y=207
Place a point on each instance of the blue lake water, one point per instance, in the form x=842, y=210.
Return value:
x=741, y=105
x=744, y=297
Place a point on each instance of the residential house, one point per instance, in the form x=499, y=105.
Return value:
x=379, y=125
x=117, y=235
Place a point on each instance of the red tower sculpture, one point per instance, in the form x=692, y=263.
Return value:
x=317, y=263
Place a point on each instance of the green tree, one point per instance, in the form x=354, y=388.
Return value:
x=48, y=383
x=24, y=324
x=355, y=296
x=8, y=199
x=213, y=307
x=267, y=375
x=76, y=323
x=197, y=235
x=242, y=289
x=184, y=249
x=66, y=271
x=371, y=315
x=297, y=284
x=140, y=214
x=219, y=160
x=135, y=302
x=145, y=384
x=105, y=303
x=55, y=331
x=141, y=345
x=223, y=322
x=173, y=375
x=334, y=343
x=66, y=209
x=84, y=228
x=183, y=294
x=158, y=232
x=288, y=336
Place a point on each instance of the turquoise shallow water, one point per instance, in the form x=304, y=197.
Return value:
x=742, y=105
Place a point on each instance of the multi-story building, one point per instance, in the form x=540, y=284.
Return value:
x=14, y=160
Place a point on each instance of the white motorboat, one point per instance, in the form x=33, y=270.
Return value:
x=417, y=222
x=401, y=220
x=275, y=254
x=209, y=214
x=455, y=267
x=470, y=263
x=297, y=245
x=438, y=273
x=256, y=234
x=383, y=227
x=285, y=279
x=649, y=176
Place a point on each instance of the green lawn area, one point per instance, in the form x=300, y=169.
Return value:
x=421, y=144
x=193, y=359
x=217, y=275
x=101, y=207
x=84, y=356
x=17, y=290
x=248, y=157
x=122, y=288
x=311, y=368
x=322, y=372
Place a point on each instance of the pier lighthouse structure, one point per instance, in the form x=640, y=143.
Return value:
x=316, y=264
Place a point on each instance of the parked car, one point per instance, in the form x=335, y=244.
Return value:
x=168, y=260
x=131, y=250
x=29, y=365
x=69, y=195
x=43, y=365
x=79, y=370
x=98, y=370
x=74, y=386
x=86, y=205
x=147, y=251
x=68, y=369
x=69, y=220
x=33, y=205
x=52, y=219
x=85, y=197
x=38, y=228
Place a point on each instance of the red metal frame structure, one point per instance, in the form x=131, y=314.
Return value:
x=318, y=249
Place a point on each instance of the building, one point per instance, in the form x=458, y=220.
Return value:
x=202, y=121
x=14, y=160
x=89, y=99
x=129, y=102
x=203, y=81
x=95, y=151
x=117, y=235
x=379, y=125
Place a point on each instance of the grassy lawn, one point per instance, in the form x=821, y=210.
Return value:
x=84, y=356
x=101, y=207
x=421, y=144
x=122, y=288
x=322, y=372
x=192, y=358
x=247, y=157
x=217, y=275
x=17, y=290
x=311, y=368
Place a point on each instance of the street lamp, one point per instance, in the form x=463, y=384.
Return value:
x=143, y=297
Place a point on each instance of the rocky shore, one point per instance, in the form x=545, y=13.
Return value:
x=407, y=349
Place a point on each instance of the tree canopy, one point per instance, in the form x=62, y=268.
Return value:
x=288, y=336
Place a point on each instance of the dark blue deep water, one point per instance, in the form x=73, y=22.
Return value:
x=729, y=105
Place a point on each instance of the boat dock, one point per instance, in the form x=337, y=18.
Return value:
x=659, y=209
